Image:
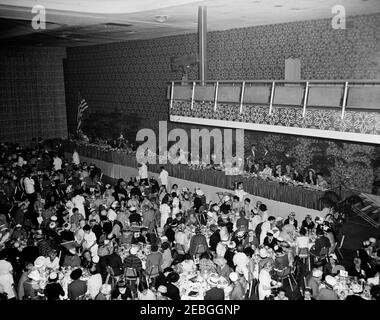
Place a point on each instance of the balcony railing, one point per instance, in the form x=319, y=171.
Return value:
x=343, y=101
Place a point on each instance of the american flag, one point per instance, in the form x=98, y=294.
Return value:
x=81, y=108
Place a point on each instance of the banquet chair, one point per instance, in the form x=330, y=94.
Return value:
x=304, y=255
x=287, y=274
x=337, y=249
x=323, y=255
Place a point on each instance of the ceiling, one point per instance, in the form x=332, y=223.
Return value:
x=88, y=22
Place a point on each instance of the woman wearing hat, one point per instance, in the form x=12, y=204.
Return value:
x=311, y=178
x=32, y=289
x=266, y=283
x=53, y=289
x=121, y=292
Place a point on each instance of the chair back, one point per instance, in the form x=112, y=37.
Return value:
x=303, y=252
x=131, y=273
x=324, y=251
x=180, y=248
x=341, y=242
x=286, y=272
x=332, y=249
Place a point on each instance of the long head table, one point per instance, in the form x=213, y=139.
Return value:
x=296, y=195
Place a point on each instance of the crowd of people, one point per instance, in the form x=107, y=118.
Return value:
x=65, y=233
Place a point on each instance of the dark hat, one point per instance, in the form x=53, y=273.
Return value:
x=76, y=274
x=173, y=277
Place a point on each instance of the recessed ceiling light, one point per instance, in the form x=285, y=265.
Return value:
x=161, y=19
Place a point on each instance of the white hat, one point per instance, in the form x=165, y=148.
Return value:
x=372, y=240
x=356, y=288
x=95, y=259
x=133, y=250
x=317, y=273
x=132, y=208
x=331, y=281
x=162, y=289
x=53, y=218
x=39, y=262
x=53, y=276
x=52, y=225
x=231, y=245
x=213, y=280
x=226, y=198
x=18, y=225
x=216, y=208
x=263, y=253
x=199, y=192
x=233, y=276
x=69, y=205
x=34, y=275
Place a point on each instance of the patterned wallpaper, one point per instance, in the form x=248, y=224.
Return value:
x=132, y=76
x=32, y=94
x=125, y=83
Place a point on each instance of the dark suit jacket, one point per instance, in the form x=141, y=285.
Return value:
x=173, y=292
x=214, y=240
x=214, y=294
x=76, y=289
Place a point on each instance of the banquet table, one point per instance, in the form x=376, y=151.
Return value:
x=274, y=190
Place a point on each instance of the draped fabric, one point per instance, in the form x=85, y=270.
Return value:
x=32, y=94
x=124, y=165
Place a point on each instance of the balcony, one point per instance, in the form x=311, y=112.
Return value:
x=334, y=109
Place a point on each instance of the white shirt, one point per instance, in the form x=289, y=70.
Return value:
x=182, y=239
x=143, y=172
x=164, y=175
x=111, y=215
x=240, y=193
x=240, y=259
x=165, y=212
x=89, y=238
x=29, y=185
x=78, y=202
x=5, y=267
x=57, y=163
x=265, y=227
x=264, y=281
x=254, y=222
x=94, y=284
x=7, y=282
x=52, y=264
x=76, y=158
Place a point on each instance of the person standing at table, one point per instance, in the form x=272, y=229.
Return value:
x=164, y=175
x=76, y=160
x=143, y=173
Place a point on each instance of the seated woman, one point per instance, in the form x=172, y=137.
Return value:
x=311, y=178
x=297, y=176
x=302, y=242
x=267, y=171
x=266, y=283
x=308, y=223
x=332, y=268
x=321, y=182
x=356, y=270
x=288, y=171
x=239, y=191
x=281, y=262
x=278, y=172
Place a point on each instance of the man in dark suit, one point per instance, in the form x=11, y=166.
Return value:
x=77, y=287
x=320, y=242
x=214, y=293
x=214, y=238
x=173, y=291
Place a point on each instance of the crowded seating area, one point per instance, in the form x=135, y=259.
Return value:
x=68, y=232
